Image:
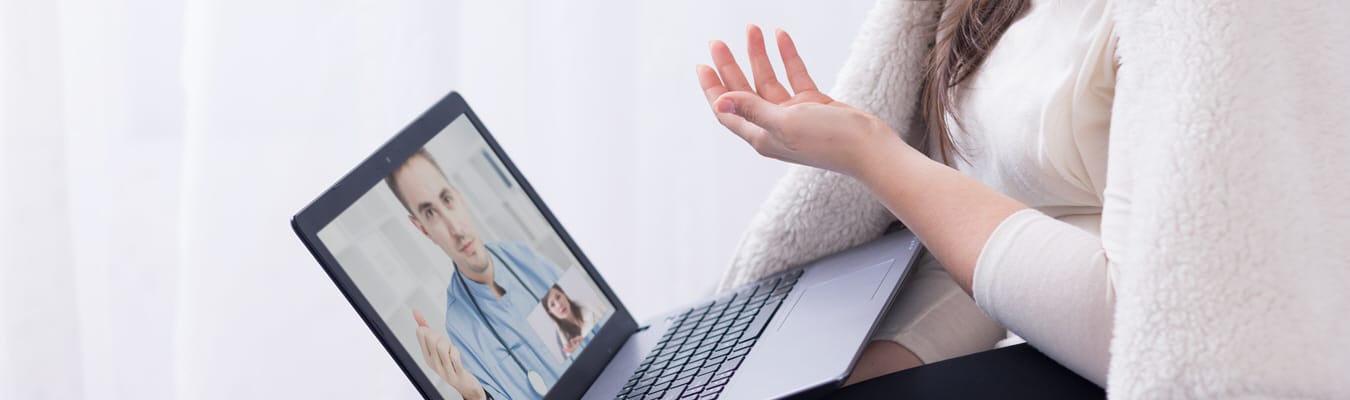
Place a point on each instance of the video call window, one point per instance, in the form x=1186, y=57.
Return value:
x=467, y=273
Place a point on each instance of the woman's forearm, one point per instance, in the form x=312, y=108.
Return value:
x=953, y=214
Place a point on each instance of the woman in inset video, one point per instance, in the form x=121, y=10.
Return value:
x=577, y=322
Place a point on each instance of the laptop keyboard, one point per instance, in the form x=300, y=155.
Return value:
x=700, y=352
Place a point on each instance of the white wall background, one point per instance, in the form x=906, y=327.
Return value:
x=153, y=151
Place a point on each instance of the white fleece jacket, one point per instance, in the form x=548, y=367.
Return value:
x=1229, y=131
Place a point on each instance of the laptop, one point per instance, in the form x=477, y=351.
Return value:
x=476, y=290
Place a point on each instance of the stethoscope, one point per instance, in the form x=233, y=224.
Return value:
x=536, y=381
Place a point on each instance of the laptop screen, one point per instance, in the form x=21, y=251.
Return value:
x=467, y=273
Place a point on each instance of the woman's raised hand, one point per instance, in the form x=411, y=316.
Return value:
x=804, y=127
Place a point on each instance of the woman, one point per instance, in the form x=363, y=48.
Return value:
x=1004, y=177
x=575, y=321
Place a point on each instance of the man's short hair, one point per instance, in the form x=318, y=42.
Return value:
x=393, y=184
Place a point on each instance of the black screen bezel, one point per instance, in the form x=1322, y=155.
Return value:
x=577, y=378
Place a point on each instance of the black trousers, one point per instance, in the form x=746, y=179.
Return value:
x=1014, y=372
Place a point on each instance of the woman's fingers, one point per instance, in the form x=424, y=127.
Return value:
x=766, y=83
x=744, y=129
x=727, y=68
x=712, y=85
x=752, y=108
x=757, y=116
x=753, y=119
x=793, y=65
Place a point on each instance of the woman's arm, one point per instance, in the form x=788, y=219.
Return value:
x=1050, y=279
x=953, y=214
x=810, y=212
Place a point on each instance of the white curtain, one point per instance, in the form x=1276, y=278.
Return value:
x=153, y=151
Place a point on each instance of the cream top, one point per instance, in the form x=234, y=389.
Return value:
x=1034, y=118
x=1034, y=122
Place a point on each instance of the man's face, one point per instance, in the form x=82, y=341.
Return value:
x=440, y=213
x=557, y=304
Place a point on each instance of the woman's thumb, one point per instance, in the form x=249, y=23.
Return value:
x=751, y=107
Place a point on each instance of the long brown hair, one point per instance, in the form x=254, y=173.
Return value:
x=966, y=33
x=569, y=329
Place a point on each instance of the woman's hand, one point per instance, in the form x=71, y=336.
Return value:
x=806, y=128
x=572, y=345
x=443, y=358
x=951, y=212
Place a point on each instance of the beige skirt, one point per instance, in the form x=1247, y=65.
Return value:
x=935, y=319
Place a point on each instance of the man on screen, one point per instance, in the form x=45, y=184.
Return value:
x=490, y=351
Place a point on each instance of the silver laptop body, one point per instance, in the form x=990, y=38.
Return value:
x=811, y=342
x=392, y=256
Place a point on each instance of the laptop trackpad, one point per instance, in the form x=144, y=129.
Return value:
x=825, y=301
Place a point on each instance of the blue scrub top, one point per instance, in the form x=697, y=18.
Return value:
x=481, y=352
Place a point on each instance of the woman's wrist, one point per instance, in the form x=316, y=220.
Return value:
x=880, y=158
